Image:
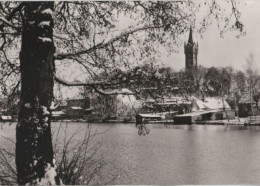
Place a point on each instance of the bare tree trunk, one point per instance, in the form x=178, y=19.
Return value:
x=251, y=105
x=34, y=151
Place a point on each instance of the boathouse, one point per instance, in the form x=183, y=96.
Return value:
x=247, y=107
x=146, y=118
x=211, y=108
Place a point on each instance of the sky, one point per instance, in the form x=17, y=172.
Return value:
x=214, y=50
x=227, y=51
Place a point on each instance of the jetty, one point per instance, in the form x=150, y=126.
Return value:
x=208, y=116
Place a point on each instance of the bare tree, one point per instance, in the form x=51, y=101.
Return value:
x=79, y=160
x=252, y=80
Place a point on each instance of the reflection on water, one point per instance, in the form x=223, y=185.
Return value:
x=180, y=154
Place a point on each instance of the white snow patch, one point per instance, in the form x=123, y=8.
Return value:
x=53, y=106
x=44, y=24
x=47, y=11
x=45, y=39
x=75, y=170
x=45, y=111
x=31, y=22
x=126, y=91
x=35, y=119
x=27, y=105
x=49, y=177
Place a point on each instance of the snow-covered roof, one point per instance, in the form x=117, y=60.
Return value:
x=200, y=104
x=6, y=117
x=55, y=113
x=76, y=108
x=245, y=98
x=150, y=115
x=216, y=103
x=166, y=103
x=129, y=100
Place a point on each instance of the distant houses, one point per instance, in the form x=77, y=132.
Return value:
x=185, y=110
x=247, y=106
x=58, y=115
x=72, y=109
x=177, y=109
x=172, y=109
x=76, y=108
x=5, y=116
x=212, y=108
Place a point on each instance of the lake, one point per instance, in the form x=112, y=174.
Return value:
x=183, y=154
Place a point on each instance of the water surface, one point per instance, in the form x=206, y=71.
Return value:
x=197, y=154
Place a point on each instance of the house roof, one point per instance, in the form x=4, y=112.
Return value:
x=56, y=113
x=211, y=103
x=76, y=108
x=150, y=115
x=6, y=117
x=216, y=103
x=245, y=98
x=200, y=104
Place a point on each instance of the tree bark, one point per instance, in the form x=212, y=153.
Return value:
x=34, y=151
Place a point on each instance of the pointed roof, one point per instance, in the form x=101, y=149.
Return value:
x=190, y=36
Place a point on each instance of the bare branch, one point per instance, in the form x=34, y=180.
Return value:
x=95, y=87
x=76, y=83
x=9, y=24
x=15, y=10
x=114, y=92
x=10, y=16
x=103, y=45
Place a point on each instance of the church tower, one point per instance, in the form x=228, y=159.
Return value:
x=191, y=53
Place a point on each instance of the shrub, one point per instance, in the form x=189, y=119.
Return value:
x=79, y=160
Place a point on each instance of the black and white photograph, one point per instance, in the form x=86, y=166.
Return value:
x=130, y=92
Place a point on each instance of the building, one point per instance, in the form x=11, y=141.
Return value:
x=58, y=115
x=212, y=108
x=246, y=106
x=191, y=53
x=147, y=118
x=76, y=108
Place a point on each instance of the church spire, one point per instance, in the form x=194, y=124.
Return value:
x=190, y=37
x=191, y=52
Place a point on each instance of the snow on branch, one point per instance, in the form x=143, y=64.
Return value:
x=47, y=11
x=10, y=16
x=4, y=21
x=94, y=85
x=44, y=24
x=77, y=83
x=103, y=45
x=122, y=91
x=45, y=39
